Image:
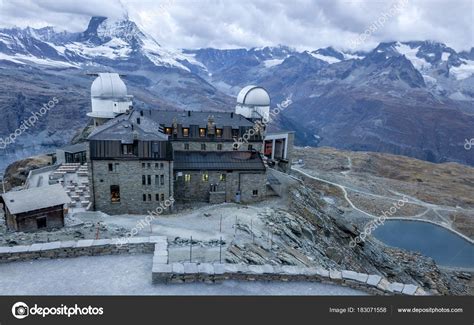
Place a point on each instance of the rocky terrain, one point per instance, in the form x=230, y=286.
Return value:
x=441, y=193
x=17, y=172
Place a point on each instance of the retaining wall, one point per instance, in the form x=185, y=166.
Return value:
x=87, y=247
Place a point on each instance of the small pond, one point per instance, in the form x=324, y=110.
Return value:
x=444, y=246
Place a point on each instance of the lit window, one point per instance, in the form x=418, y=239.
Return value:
x=223, y=177
x=114, y=193
x=219, y=146
x=168, y=131
x=202, y=132
x=185, y=132
x=187, y=178
x=219, y=133
x=205, y=177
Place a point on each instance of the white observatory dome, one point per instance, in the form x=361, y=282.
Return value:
x=253, y=102
x=253, y=96
x=109, y=96
x=108, y=85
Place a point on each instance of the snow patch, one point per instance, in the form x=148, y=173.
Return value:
x=410, y=54
x=328, y=59
x=464, y=71
x=445, y=56
x=272, y=63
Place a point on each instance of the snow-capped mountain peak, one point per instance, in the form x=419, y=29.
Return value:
x=104, y=42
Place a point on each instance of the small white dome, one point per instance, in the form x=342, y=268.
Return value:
x=253, y=96
x=108, y=85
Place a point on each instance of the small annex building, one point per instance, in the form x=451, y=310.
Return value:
x=36, y=208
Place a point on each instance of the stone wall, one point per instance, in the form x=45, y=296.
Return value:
x=216, y=272
x=128, y=175
x=87, y=247
x=196, y=189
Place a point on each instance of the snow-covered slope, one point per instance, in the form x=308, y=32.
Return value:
x=104, y=40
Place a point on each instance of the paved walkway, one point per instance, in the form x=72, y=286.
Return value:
x=130, y=275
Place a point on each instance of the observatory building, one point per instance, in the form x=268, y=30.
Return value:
x=109, y=98
x=139, y=158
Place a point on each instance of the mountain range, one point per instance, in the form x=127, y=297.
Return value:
x=407, y=98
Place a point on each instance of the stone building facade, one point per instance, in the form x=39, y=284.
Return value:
x=131, y=186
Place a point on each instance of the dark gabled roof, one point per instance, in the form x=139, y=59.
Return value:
x=75, y=148
x=187, y=118
x=125, y=128
x=218, y=160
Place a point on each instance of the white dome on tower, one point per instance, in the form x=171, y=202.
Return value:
x=109, y=96
x=253, y=96
x=253, y=102
x=108, y=85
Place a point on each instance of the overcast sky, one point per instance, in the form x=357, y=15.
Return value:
x=303, y=24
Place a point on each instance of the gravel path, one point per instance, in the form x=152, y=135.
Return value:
x=131, y=275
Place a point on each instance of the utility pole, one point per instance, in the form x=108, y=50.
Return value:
x=251, y=230
x=191, y=250
x=220, y=250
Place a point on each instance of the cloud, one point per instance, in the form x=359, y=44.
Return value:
x=303, y=24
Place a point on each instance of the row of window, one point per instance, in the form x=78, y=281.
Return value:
x=115, y=195
x=149, y=197
x=113, y=167
x=205, y=177
x=157, y=165
x=159, y=179
x=219, y=147
x=202, y=132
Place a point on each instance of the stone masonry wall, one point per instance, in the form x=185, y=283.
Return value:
x=198, y=190
x=128, y=175
x=87, y=247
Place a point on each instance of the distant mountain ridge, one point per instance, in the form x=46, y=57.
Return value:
x=410, y=98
